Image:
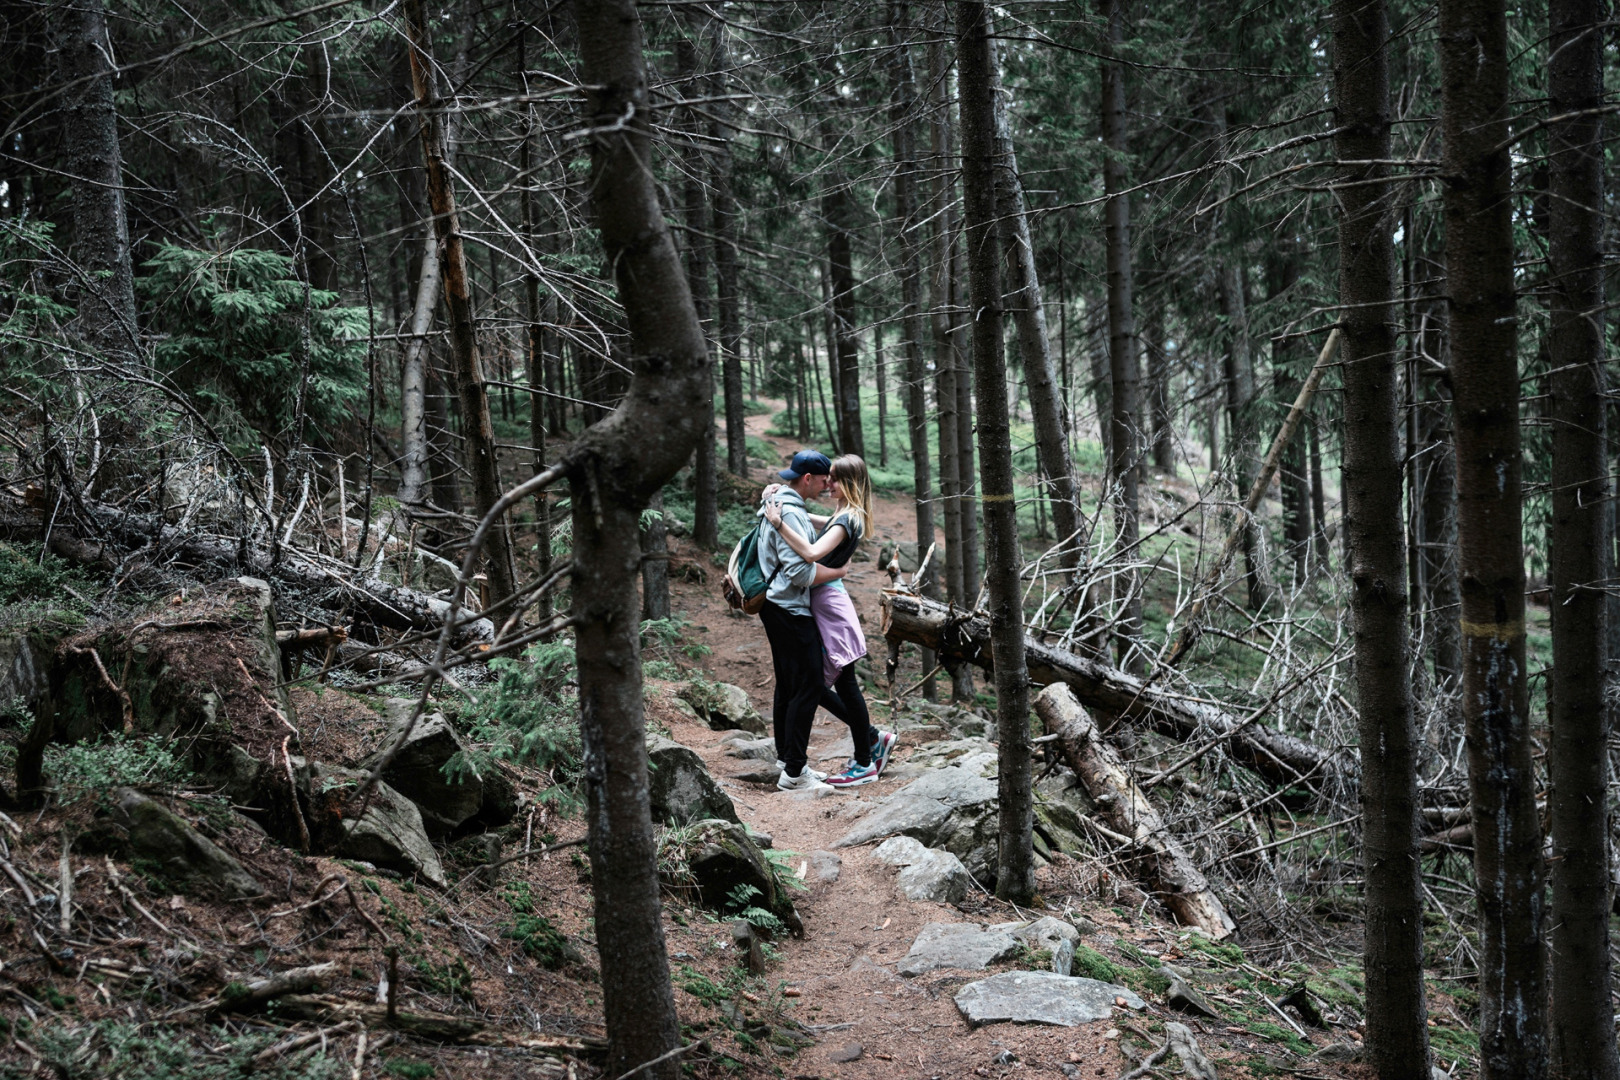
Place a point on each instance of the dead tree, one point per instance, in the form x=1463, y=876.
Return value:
x=1397, y=1032
x=699, y=224
x=478, y=430
x=725, y=256
x=976, y=66
x=614, y=469
x=964, y=638
x=104, y=289
x=1509, y=871
x=1165, y=865
x=1582, y=1025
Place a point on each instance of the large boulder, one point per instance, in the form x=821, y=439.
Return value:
x=726, y=864
x=681, y=789
x=966, y=946
x=418, y=772
x=725, y=707
x=1041, y=997
x=171, y=851
x=389, y=834
x=971, y=831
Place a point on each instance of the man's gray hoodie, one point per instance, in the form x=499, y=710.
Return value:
x=789, y=590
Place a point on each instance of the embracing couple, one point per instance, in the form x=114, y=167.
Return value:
x=815, y=635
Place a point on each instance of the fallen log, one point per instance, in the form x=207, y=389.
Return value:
x=1166, y=866
x=135, y=537
x=961, y=638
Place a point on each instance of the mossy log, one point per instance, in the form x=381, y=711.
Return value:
x=1164, y=863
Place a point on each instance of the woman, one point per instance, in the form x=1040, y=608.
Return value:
x=842, y=639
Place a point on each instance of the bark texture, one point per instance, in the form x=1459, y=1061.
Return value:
x=1397, y=1032
x=614, y=469
x=729, y=328
x=1124, y=365
x=976, y=65
x=1582, y=1026
x=477, y=430
x=105, y=287
x=1508, y=863
x=1163, y=863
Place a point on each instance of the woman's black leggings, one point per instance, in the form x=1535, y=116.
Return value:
x=844, y=700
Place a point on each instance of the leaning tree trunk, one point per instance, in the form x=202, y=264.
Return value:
x=911, y=278
x=976, y=67
x=1397, y=1032
x=1582, y=1025
x=725, y=259
x=1034, y=347
x=477, y=429
x=614, y=469
x=1167, y=867
x=104, y=286
x=1508, y=866
x=1124, y=367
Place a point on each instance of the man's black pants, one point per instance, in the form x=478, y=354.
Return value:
x=796, y=660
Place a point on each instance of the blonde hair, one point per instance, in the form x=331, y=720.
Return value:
x=855, y=486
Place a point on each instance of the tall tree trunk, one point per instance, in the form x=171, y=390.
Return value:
x=539, y=344
x=880, y=377
x=1028, y=309
x=1508, y=866
x=1397, y=1032
x=1321, y=549
x=615, y=468
x=725, y=256
x=478, y=431
x=911, y=295
x=1242, y=435
x=945, y=397
x=967, y=471
x=976, y=61
x=1440, y=509
x=699, y=225
x=1582, y=1025
x=1124, y=368
x=105, y=288
x=837, y=207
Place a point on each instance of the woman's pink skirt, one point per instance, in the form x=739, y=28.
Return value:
x=842, y=640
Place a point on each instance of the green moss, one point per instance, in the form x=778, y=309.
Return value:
x=1226, y=951
x=1281, y=1035
x=1093, y=965
x=1454, y=1045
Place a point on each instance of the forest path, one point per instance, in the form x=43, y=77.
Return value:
x=858, y=926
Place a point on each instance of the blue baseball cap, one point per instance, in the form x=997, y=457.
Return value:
x=813, y=462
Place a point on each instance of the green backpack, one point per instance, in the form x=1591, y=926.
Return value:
x=746, y=585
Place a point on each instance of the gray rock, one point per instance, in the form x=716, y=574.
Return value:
x=928, y=874
x=1040, y=997
x=724, y=860
x=390, y=834
x=953, y=786
x=417, y=771
x=1182, y=995
x=826, y=866
x=767, y=775
x=973, y=834
x=956, y=945
x=1042, y=933
x=753, y=750
x=727, y=707
x=847, y=1053
x=22, y=673
x=899, y=815
x=681, y=788
x=939, y=877
x=178, y=853
x=1063, y=958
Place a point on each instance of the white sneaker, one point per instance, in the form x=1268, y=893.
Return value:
x=805, y=781
x=817, y=773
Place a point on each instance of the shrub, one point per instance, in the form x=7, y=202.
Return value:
x=117, y=760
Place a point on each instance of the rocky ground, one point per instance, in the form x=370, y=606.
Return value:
x=188, y=920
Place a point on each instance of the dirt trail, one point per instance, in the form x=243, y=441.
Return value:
x=858, y=926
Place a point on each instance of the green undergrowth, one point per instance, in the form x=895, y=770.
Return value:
x=114, y=1050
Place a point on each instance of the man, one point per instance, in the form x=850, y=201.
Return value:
x=789, y=625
